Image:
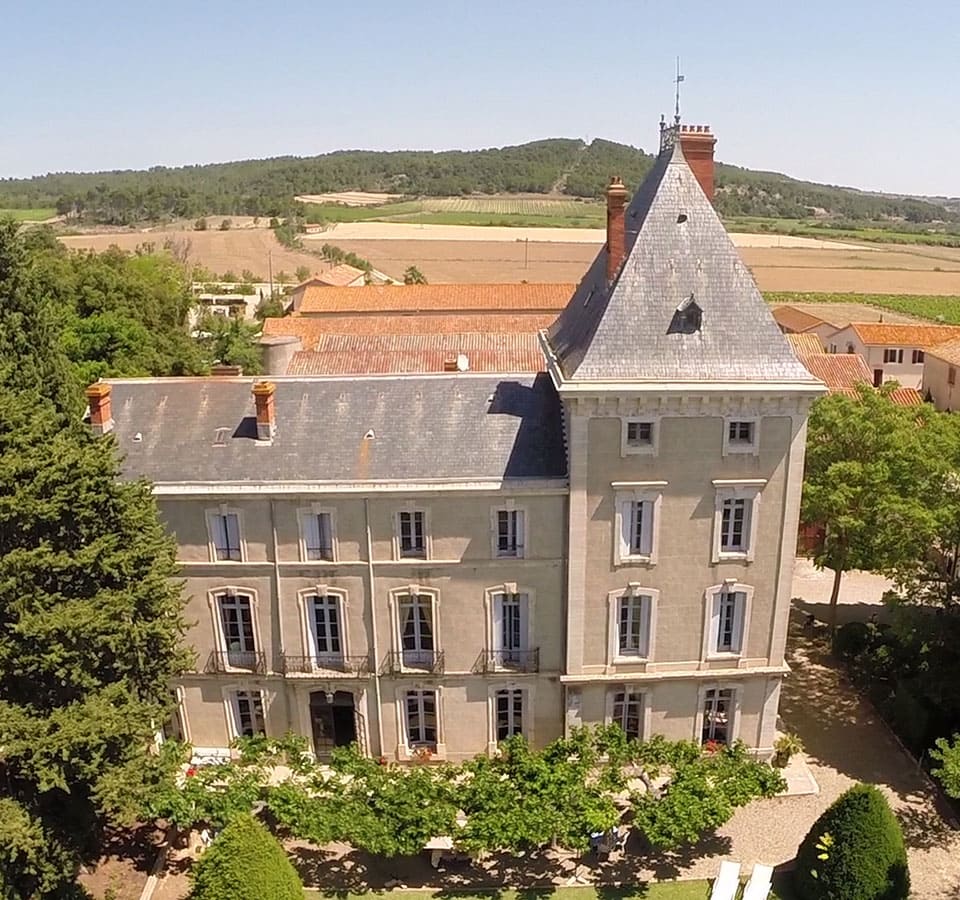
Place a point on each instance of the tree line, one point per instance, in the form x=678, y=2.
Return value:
x=267, y=187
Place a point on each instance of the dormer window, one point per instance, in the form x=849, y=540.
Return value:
x=687, y=318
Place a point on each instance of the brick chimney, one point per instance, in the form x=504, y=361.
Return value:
x=697, y=143
x=101, y=417
x=616, y=241
x=263, y=392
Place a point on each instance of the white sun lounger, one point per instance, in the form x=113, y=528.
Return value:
x=758, y=887
x=727, y=881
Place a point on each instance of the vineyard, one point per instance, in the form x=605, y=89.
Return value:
x=936, y=309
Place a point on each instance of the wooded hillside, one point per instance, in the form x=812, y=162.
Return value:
x=267, y=187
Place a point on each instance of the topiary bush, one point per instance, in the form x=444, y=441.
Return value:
x=854, y=851
x=245, y=862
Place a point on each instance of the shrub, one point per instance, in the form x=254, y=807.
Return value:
x=245, y=862
x=851, y=640
x=854, y=851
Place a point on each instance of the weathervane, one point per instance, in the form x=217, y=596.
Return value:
x=677, y=81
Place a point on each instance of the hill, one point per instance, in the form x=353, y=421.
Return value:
x=267, y=187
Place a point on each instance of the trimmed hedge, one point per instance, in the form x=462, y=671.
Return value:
x=866, y=856
x=245, y=862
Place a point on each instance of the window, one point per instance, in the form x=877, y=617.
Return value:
x=510, y=536
x=325, y=628
x=225, y=533
x=636, y=519
x=416, y=631
x=510, y=626
x=741, y=436
x=833, y=348
x=892, y=355
x=248, y=713
x=726, y=634
x=413, y=543
x=917, y=357
x=236, y=620
x=638, y=436
x=734, y=525
x=317, y=535
x=509, y=713
x=717, y=715
x=420, y=708
x=628, y=711
x=633, y=625
x=735, y=522
x=951, y=375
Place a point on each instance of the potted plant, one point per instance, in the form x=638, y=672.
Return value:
x=784, y=747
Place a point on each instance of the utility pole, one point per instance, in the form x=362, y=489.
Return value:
x=270, y=271
x=526, y=249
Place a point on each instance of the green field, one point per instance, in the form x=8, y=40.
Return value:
x=523, y=212
x=24, y=215
x=870, y=233
x=659, y=890
x=944, y=310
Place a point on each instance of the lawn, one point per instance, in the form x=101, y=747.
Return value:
x=23, y=215
x=660, y=890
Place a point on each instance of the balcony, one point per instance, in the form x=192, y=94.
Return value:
x=325, y=665
x=511, y=660
x=415, y=662
x=232, y=660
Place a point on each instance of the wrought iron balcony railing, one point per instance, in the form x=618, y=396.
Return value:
x=512, y=660
x=415, y=661
x=228, y=660
x=325, y=664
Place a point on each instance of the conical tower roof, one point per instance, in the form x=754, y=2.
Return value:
x=683, y=307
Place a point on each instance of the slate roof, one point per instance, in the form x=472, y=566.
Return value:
x=455, y=427
x=923, y=336
x=370, y=354
x=311, y=330
x=628, y=331
x=448, y=298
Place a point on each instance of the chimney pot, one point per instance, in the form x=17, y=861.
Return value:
x=616, y=240
x=263, y=392
x=697, y=143
x=101, y=416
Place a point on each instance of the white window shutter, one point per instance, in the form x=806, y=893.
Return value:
x=738, y=611
x=715, y=622
x=521, y=532
x=626, y=528
x=233, y=529
x=311, y=531
x=645, y=610
x=646, y=528
x=498, y=622
x=524, y=620
x=748, y=525
x=219, y=532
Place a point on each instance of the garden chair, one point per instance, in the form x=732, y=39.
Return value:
x=727, y=881
x=758, y=887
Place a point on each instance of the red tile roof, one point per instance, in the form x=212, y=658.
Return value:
x=906, y=397
x=344, y=354
x=805, y=344
x=948, y=351
x=838, y=371
x=309, y=330
x=922, y=336
x=447, y=298
x=796, y=320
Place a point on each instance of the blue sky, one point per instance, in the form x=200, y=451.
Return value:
x=845, y=92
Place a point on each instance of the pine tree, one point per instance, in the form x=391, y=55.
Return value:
x=90, y=616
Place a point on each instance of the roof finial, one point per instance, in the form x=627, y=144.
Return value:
x=677, y=80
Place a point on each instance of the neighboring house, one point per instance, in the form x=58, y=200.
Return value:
x=795, y=321
x=427, y=564
x=941, y=375
x=892, y=352
x=343, y=275
x=434, y=299
x=842, y=372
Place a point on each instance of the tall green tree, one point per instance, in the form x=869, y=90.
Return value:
x=232, y=342
x=873, y=473
x=90, y=613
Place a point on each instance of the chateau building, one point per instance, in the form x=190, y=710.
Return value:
x=427, y=564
